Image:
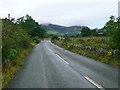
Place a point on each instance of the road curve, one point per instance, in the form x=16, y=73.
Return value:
x=49, y=66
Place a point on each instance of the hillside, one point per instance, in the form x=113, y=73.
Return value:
x=57, y=29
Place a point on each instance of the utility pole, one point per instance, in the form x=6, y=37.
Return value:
x=9, y=16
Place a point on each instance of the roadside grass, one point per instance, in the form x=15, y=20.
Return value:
x=13, y=68
x=104, y=59
x=92, y=42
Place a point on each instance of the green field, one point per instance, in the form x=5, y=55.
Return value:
x=54, y=33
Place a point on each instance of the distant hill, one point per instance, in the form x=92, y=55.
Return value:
x=61, y=30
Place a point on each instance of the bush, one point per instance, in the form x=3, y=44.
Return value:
x=36, y=39
x=55, y=37
x=14, y=40
x=12, y=53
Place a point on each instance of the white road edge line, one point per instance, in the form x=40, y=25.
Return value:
x=62, y=59
x=94, y=83
x=50, y=50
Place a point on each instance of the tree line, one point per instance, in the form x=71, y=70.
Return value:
x=111, y=30
x=18, y=35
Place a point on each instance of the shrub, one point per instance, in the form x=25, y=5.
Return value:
x=55, y=37
x=36, y=39
x=12, y=53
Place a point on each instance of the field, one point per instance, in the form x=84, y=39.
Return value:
x=97, y=48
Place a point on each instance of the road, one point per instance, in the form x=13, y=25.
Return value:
x=49, y=66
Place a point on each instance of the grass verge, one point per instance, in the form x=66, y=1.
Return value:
x=101, y=58
x=104, y=59
x=13, y=68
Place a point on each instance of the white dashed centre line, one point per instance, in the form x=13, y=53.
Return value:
x=62, y=59
x=94, y=83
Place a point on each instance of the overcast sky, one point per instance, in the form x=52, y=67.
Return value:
x=91, y=13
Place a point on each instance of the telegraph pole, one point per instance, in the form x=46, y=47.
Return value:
x=9, y=16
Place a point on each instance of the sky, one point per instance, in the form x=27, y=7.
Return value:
x=91, y=13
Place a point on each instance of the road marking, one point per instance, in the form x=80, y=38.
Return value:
x=65, y=50
x=57, y=46
x=50, y=50
x=62, y=59
x=94, y=83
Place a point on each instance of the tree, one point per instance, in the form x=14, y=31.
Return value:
x=85, y=32
x=94, y=32
x=54, y=37
x=110, y=26
x=115, y=38
x=112, y=30
x=31, y=26
x=78, y=35
x=14, y=40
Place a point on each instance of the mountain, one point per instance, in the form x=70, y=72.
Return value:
x=61, y=30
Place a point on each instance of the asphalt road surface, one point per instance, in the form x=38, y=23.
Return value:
x=49, y=66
